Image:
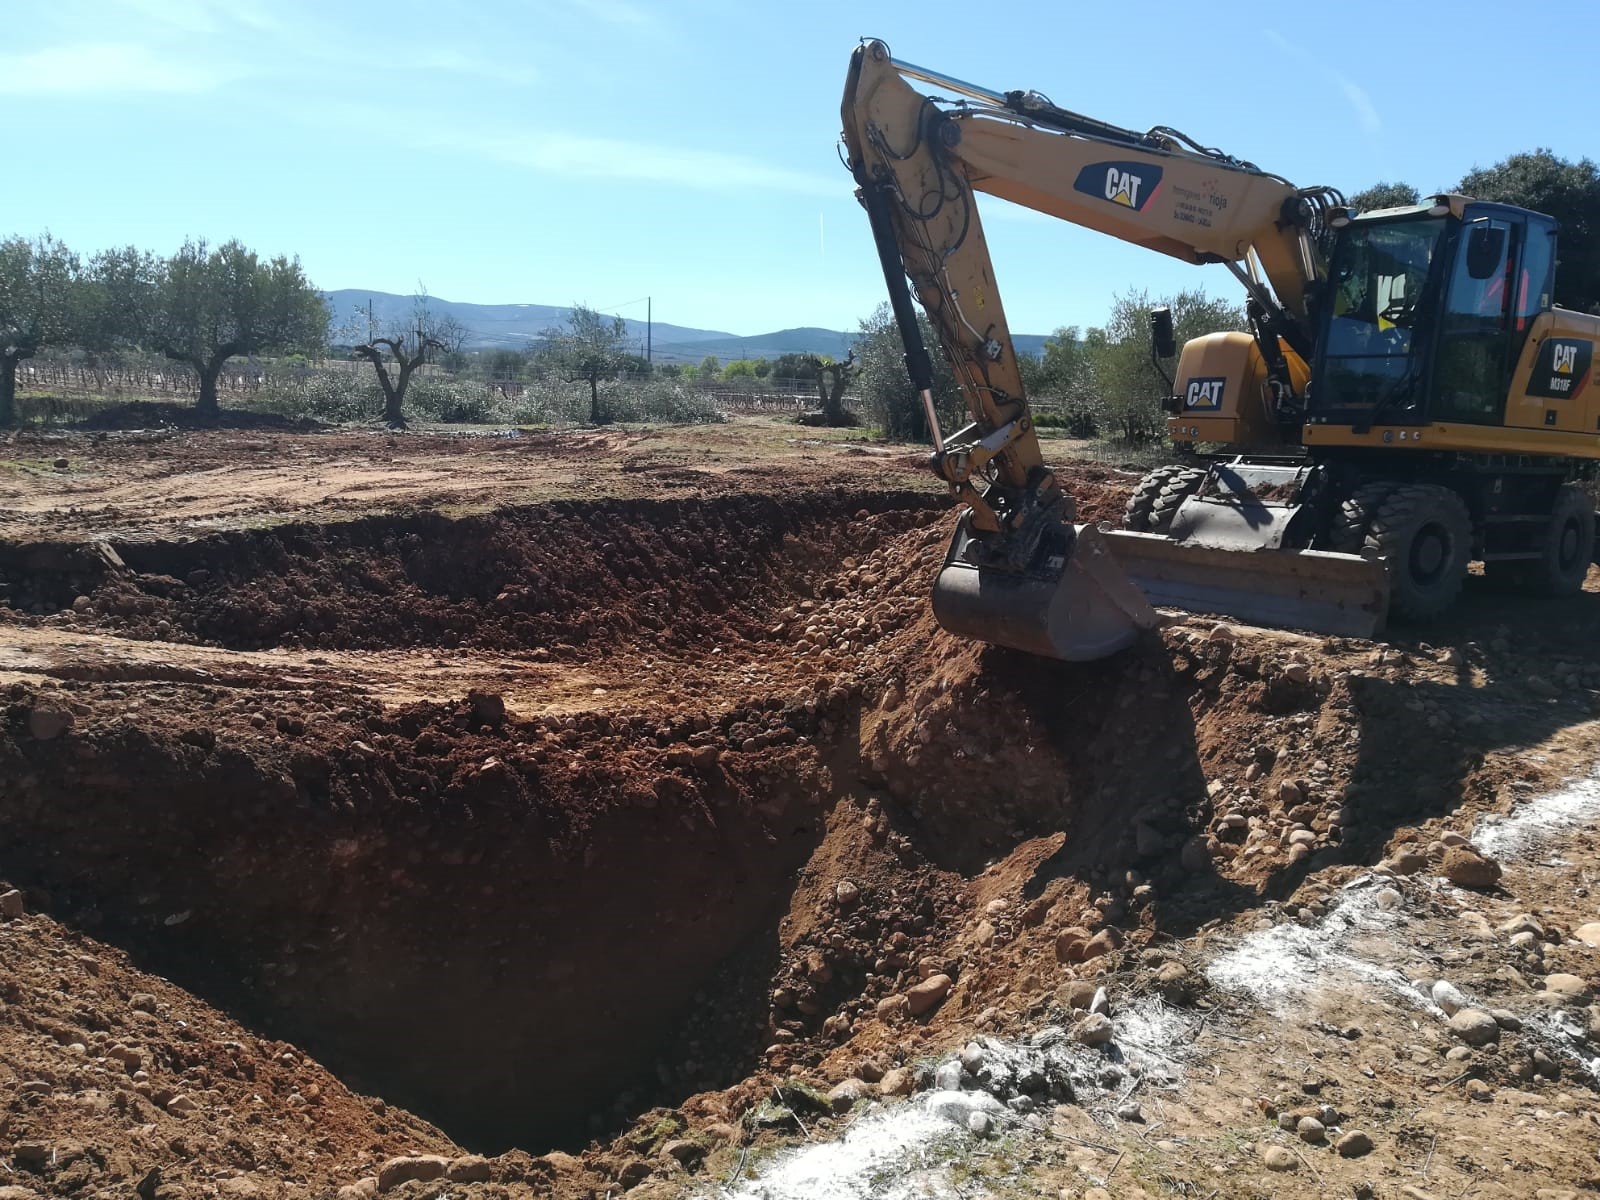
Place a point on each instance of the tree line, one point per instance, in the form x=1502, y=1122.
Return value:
x=200, y=306
x=204, y=305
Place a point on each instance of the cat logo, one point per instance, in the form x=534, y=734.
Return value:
x=1204, y=394
x=1561, y=368
x=1122, y=187
x=1126, y=184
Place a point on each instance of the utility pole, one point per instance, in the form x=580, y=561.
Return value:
x=649, y=332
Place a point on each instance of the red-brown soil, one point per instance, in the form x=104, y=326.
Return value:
x=587, y=822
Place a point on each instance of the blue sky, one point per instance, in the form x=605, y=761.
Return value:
x=598, y=151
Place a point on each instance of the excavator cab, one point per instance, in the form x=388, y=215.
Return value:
x=1427, y=311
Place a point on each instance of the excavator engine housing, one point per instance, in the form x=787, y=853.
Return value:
x=1222, y=393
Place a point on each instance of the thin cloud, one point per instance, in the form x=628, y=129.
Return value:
x=1366, y=111
x=205, y=16
x=460, y=63
x=99, y=69
x=650, y=162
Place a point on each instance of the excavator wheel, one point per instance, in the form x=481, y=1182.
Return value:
x=1425, y=532
x=1566, y=546
x=1181, y=484
x=1353, y=521
x=1136, y=515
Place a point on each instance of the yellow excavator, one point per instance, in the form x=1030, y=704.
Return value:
x=1407, y=400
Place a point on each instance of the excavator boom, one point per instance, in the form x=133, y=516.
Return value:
x=1020, y=572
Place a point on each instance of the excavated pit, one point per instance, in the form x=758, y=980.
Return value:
x=528, y=909
x=359, y=785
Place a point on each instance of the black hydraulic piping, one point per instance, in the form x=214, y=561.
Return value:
x=878, y=198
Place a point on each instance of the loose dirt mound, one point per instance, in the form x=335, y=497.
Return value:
x=115, y=1077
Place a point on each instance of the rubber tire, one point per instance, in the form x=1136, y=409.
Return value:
x=1136, y=515
x=1348, y=533
x=1568, y=546
x=1425, y=532
x=1182, y=484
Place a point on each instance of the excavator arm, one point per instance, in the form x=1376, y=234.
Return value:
x=1019, y=572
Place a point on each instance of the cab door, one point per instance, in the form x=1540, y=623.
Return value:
x=1477, y=341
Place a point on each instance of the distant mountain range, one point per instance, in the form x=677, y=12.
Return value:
x=513, y=326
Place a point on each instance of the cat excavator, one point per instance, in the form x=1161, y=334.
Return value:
x=1406, y=400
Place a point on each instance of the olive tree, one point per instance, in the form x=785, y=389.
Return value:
x=121, y=288
x=405, y=346
x=212, y=304
x=1127, y=385
x=588, y=348
x=40, y=305
x=885, y=389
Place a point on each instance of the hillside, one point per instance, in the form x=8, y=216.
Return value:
x=512, y=326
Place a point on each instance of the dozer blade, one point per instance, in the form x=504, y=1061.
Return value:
x=1081, y=609
x=1339, y=594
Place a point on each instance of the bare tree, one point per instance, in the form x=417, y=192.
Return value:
x=831, y=378
x=405, y=346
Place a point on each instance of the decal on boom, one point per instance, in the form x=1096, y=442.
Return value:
x=1128, y=184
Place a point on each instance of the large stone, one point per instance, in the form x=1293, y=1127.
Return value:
x=11, y=905
x=470, y=1168
x=927, y=995
x=1070, y=943
x=408, y=1167
x=1354, y=1144
x=48, y=721
x=1466, y=867
x=1561, y=988
x=1448, y=997
x=1474, y=1027
x=1588, y=934
x=1276, y=1158
x=1408, y=862
x=1095, y=1029
x=901, y=1081
x=1104, y=942
x=842, y=1096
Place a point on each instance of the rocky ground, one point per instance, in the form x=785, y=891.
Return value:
x=638, y=829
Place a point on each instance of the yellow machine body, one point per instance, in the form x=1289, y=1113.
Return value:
x=1225, y=393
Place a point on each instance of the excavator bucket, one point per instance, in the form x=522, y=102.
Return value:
x=1340, y=594
x=1077, y=606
